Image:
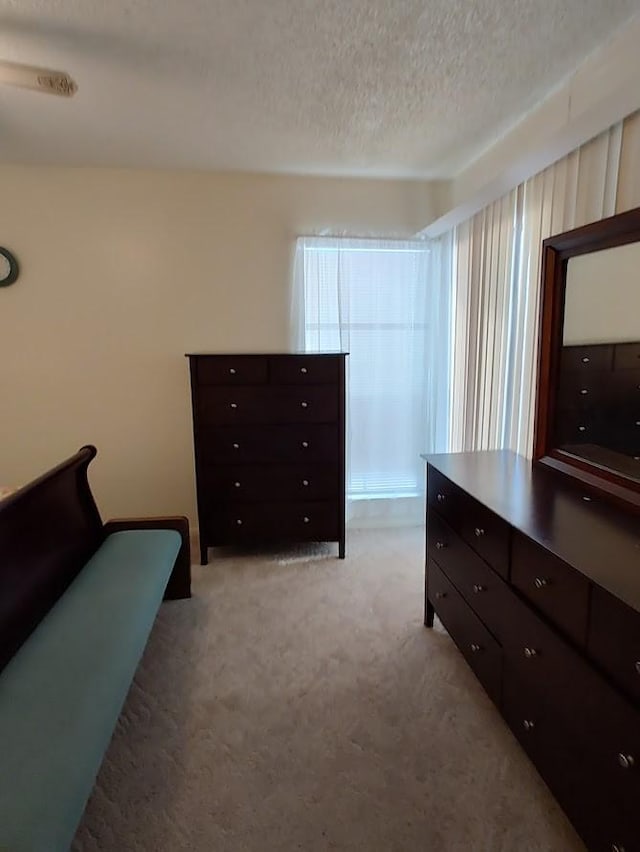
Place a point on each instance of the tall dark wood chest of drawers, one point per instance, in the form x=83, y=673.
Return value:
x=538, y=583
x=599, y=399
x=269, y=436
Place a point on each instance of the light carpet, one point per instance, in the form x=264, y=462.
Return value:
x=297, y=702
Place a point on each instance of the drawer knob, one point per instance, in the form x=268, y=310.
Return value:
x=475, y=647
x=528, y=724
x=586, y=359
x=239, y=522
x=234, y=405
x=440, y=498
x=305, y=482
x=306, y=519
x=582, y=428
x=236, y=446
x=540, y=582
x=530, y=653
x=477, y=588
x=479, y=532
x=303, y=370
x=236, y=484
x=305, y=444
x=440, y=545
x=440, y=595
x=626, y=761
x=637, y=667
x=304, y=404
x=584, y=391
x=232, y=371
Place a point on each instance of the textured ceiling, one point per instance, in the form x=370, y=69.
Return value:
x=362, y=87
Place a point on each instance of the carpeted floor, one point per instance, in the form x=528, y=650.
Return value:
x=298, y=703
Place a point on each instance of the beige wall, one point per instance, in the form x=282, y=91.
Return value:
x=122, y=273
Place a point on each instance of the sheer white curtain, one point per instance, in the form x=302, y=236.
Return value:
x=384, y=302
x=497, y=258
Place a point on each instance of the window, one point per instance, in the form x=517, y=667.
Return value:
x=374, y=299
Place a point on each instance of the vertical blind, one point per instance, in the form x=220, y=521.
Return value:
x=496, y=281
x=381, y=301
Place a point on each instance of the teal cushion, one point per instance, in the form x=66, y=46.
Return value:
x=60, y=696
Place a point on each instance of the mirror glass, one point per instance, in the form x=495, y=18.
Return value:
x=598, y=391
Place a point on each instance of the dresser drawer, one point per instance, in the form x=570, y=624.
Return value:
x=547, y=739
x=614, y=641
x=542, y=659
x=239, y=444
x=246, y=522
x=585, y=359
x=552, y=587
x=613, y=745
x=603, y=721
x=314, y=404
x=478, y=646
x=231, y=370
x=627, y=355
x=487, y=594
x=484, y=531
x=251, y=483
x=562, y=760
x=305, y=370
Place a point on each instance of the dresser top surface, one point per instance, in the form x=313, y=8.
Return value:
x=593, y=536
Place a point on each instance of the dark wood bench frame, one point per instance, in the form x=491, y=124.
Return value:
x=49, y=529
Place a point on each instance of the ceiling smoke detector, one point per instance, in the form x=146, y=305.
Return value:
x=38, y=79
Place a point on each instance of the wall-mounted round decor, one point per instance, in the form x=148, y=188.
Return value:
x=8, y=268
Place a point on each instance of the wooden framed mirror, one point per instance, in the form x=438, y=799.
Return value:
x=588, y=395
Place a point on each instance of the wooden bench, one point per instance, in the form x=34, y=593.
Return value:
x=78, y=599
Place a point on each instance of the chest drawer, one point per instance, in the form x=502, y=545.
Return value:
x=585, y=359
x=234, y=444
x=479, y=585
x=626, y=440
x=314, y=404
x=480, y=649
x=626, y=386
x=552, y=587
x=579, y=427
x=627, y=355
x=304, y=370
x=301, y=521
x=614, y=641
x=585, y=390
x=250, y=483
x=231, y=370
x=483, y=531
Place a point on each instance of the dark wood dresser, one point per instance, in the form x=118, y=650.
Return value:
x=269, y=436
x=538, y=583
